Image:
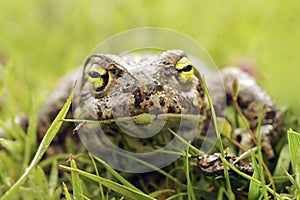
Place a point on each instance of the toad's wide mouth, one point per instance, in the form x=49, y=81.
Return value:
x=146, y=118
x=134, y=131
x=146, y=125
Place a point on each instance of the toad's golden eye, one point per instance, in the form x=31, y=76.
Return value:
x=185, y=70
x=98, y=77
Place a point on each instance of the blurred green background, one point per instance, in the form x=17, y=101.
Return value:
x=42, y=40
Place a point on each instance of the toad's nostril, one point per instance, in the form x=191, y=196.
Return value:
x=162, y=101
x=137, y=97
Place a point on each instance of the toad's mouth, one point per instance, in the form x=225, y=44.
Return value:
x=145, y=122
x=146, y=125
x=146, y=118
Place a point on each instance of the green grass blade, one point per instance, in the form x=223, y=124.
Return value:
x=30, y=141
x=221, y=193
x=260, y=155
x=226, y=174
x=67, y=194
x=11, y=146
x=97, y=173
x=38, y=182
x=57, y=194
x=181, y=139
x=160, y=192
x=76, y=182
x=169, y=176
x=116, y=174
x=254, y=188
x=294, y=145
x=42, y=148
x=53, y=178
x=292, y=180
x=177, y=196
x=284, y=161
x=49, y=161
x=190, y=191
x=246, y=154
x=128, y=192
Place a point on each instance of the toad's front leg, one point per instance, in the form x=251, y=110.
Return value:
x=250, y=98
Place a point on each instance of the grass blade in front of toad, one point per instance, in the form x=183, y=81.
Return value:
x=52, y=131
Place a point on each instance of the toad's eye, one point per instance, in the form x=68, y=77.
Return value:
x=98, y=77
x=185, y=70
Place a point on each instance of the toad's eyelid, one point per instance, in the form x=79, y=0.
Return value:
x=116, y=61
x=125, y=69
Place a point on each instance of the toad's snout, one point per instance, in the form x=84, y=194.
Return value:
x=153, y=99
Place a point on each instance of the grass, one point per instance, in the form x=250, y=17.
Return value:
x=41, y=41
x=53, y=129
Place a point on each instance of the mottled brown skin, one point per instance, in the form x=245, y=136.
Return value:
x=212, y=165
x=250, y=98
x=147, y=83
